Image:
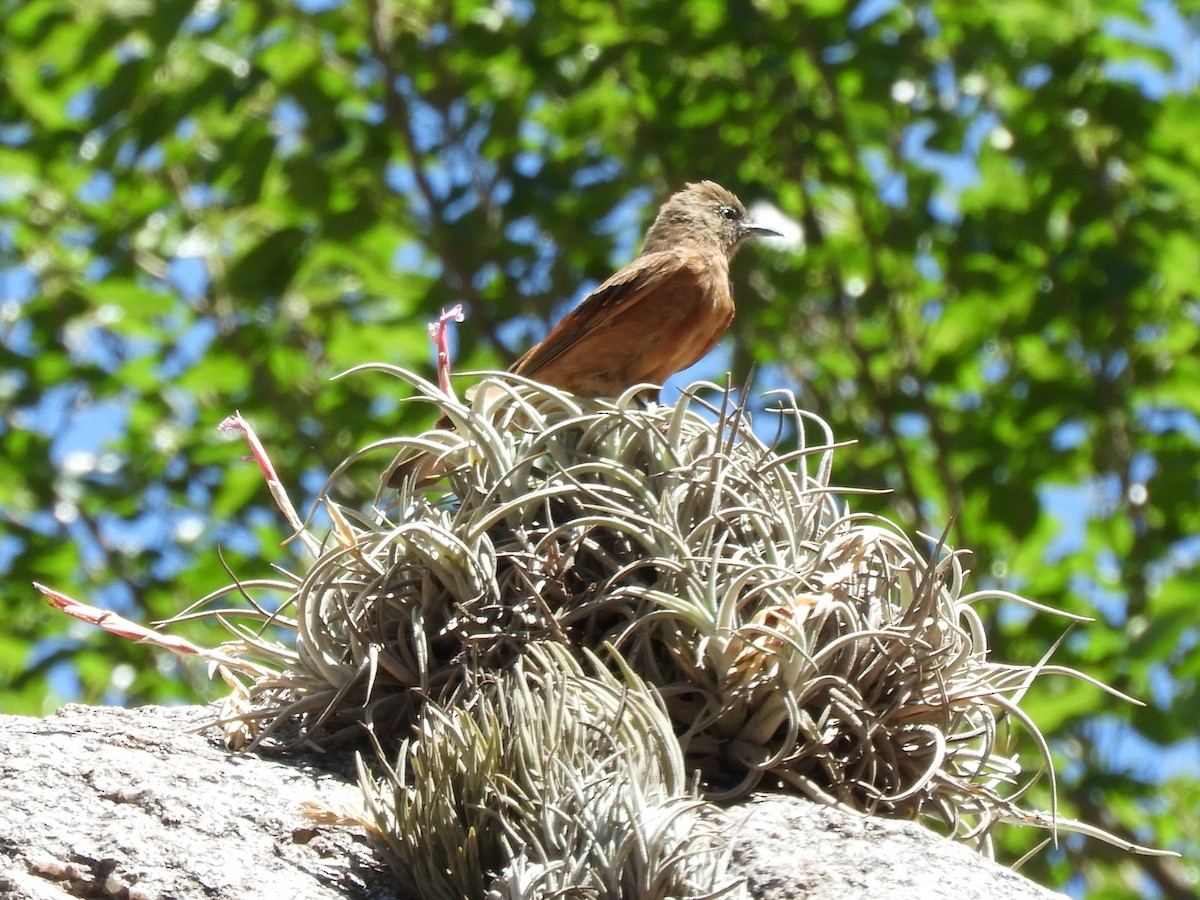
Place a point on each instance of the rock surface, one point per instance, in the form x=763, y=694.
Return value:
x=135, y=803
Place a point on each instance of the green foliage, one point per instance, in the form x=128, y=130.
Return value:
x=551, y=781
x=217, y=207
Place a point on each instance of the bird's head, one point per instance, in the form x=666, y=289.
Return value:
x=703, y=214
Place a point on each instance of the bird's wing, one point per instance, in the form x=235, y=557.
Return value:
x=622, y=290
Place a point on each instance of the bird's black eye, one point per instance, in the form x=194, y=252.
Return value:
x=729, y=212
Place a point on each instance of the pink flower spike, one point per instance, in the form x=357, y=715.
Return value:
x=258, y=453
x=93, y=615
x=237, y=422
x=122, y=627
x=439, y=334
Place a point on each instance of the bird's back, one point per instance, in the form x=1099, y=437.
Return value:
x=658, y=315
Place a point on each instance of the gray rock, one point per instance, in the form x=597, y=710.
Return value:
x=135, y=803
x=789, y=848
x=98, y=801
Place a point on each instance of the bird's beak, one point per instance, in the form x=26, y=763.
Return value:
x=751, y=228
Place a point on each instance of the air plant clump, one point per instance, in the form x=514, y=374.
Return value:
x=792, y=643
x=552, y=779
x=568, y=608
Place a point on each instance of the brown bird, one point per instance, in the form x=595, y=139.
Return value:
x=653, y=318
x=660, y=313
